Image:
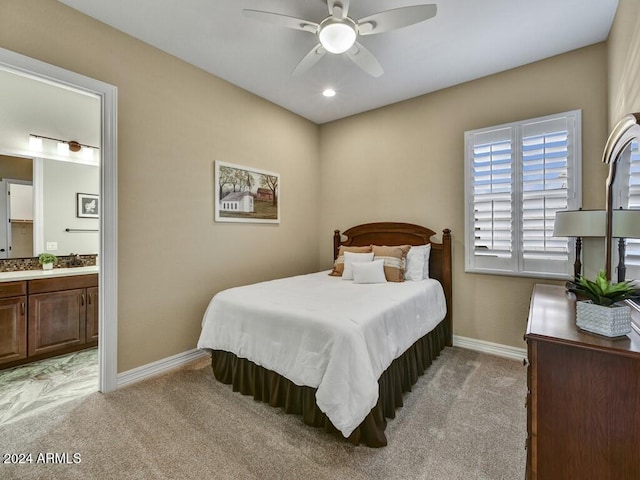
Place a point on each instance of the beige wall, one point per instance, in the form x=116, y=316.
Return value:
x=402, y=163
x=405, y=162
x=623, y=48
x=174, y=120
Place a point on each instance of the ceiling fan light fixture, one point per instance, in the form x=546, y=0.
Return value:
x=337, y=36
x=329, y=92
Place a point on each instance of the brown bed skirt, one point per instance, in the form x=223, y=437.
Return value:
x=267, y=386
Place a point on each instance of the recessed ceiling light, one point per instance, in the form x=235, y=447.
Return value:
x=329, y=92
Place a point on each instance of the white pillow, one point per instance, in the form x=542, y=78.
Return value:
x=418, y=263
x=427, y=254
x=415, y=263
x=350, y=258
x=369, y=272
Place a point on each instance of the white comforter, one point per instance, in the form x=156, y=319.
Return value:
x=325, y=332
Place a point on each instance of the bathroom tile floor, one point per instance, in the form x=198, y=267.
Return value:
x=39, y=386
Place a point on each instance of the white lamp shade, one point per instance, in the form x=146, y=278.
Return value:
x=626, y=223
x=593, y=223
x=63, y=149
x=580, y=223
x=35, y=143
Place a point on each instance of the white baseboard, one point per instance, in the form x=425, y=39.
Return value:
x=160, y=366
x=489, y=347
x=166, y=364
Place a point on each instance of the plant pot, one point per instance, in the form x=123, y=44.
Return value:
x=612, y=321
x=47, y=266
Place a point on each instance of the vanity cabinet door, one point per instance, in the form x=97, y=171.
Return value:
x=92, y=314
x=57, y=320
x=13, y=329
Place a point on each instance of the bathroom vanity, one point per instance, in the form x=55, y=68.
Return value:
x=47, y=313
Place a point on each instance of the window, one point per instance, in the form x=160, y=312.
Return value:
x=517, y=177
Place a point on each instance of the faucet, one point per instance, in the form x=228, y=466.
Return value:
x=74, y=260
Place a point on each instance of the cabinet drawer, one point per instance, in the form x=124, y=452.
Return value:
x=12, y=289
x=44, y=285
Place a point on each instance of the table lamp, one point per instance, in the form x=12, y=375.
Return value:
x=579, y=224
x=626, y=224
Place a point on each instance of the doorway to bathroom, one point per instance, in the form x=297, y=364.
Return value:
x=17, y=142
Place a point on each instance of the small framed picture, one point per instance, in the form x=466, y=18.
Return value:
x=87, y=205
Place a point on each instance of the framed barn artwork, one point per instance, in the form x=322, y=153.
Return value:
x=246, y=194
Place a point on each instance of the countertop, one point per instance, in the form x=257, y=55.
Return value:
x=56, y=272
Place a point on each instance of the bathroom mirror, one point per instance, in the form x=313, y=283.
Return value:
x=51, y=222
x=40, y=123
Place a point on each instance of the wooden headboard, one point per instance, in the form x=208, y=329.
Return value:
x=392, y=233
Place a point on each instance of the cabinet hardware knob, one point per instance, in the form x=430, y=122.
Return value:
x=22, y=308
x=82, y=300
x=89, y=298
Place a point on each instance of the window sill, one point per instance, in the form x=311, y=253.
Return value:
x=542, y=275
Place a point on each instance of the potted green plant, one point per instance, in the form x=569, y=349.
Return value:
x=600, y=311
x=47, y=260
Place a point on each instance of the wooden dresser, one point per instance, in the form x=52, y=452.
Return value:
x=583, y=403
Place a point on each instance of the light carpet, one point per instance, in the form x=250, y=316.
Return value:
x=464, y=419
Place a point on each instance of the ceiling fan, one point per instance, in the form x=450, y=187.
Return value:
x=338, y=33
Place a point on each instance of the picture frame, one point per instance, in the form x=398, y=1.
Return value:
x=245, y=194
x=87, y=205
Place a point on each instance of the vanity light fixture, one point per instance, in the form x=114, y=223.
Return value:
x=64, y=146
x=329, y=92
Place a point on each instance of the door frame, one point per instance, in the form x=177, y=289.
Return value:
x=9, y=181
x=108, y=251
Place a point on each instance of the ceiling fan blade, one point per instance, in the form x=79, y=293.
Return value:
x=365, y=60
x=396, y=18
x=282, y=20
x=309, y=60
x=338, y=8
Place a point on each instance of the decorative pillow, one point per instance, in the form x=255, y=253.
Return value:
x=415, y=263
x=369, y=272
x=351, y=258
x=418, y=263
x=427, y=255
x=395, y=259
x=338, y=265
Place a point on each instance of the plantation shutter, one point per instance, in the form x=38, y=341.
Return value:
x=517, y=176
x=632, y=254
x=492, y=191
x=545, y=190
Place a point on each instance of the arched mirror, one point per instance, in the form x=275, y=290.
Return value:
x=622, y=242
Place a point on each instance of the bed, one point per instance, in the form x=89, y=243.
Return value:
x=339, y=353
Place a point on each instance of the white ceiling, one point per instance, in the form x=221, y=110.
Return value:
x=467, y=39
x=33, y=106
